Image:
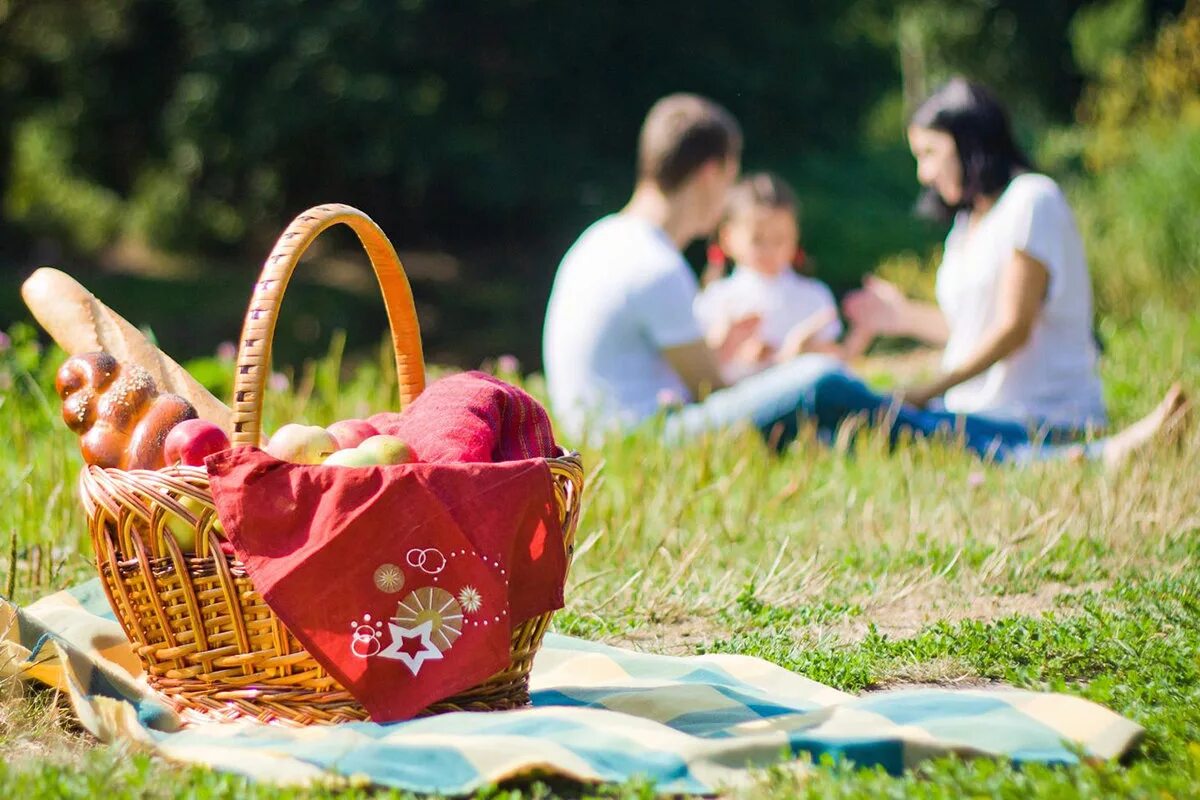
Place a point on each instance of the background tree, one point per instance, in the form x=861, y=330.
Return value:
x=192, y=130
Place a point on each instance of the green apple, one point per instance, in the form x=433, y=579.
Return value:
x=302, y=444
x=353, y=457
x=378, y=450
x=183, y=530
x=387, y=449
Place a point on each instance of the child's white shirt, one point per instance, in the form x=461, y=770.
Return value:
x=783, y=301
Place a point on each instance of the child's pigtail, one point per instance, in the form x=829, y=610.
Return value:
x=714, y=265
x=800, y=261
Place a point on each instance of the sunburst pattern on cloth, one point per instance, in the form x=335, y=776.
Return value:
x=436, y=606
x=389, y=578
x=470, y=599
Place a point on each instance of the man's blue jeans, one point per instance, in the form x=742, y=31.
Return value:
x=817, y=388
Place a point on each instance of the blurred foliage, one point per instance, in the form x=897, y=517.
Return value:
x=48, y=198
x=496, y=131
x=215, y=121
x=27, y=367
x=1140, y=139
x=913, y=274
x=1146, y=94
x=1017, y=47
x=202, y=125
x=1141, y=221
x=1104, y=31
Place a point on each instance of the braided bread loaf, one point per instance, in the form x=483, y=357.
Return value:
x=116, y=408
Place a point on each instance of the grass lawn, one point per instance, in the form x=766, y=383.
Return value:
x=862, y=571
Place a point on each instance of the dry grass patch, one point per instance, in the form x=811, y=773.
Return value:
x=905, y=616
x=679, y=636
x=940, y=673
x=36, y=726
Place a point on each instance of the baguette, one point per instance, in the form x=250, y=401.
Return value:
x=80, y=324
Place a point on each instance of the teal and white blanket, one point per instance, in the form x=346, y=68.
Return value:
x=600, y=714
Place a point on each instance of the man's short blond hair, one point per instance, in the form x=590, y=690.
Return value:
x=682, y=133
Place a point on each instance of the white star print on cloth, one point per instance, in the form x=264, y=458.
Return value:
x=413, y=661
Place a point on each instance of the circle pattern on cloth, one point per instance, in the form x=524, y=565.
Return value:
x=429, y=559
x=389, y=578
x=434, y=605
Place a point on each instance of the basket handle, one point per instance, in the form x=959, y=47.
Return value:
x=258, y=331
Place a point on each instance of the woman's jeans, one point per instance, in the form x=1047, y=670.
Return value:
x=817, y=388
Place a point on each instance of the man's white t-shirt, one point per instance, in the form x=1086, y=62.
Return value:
x=622, y=294
x=783, y=301
x=1052, y=379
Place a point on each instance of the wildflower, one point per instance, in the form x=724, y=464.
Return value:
x=508, y=364
x=669, y=399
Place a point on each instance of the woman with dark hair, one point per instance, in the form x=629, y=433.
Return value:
x=1014, y=311
x=1014, y=308
x=989, y=158
x=1014, y=301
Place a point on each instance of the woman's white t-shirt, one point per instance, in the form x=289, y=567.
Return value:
x=1052, y=379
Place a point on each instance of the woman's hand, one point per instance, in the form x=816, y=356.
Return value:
x=879, y=306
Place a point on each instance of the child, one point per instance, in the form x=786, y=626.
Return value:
x=797, y=314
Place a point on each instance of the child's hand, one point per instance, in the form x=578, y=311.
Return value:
x=801, y=337
x=738, y=332
x=754, y=351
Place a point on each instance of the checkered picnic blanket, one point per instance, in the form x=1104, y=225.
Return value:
x=600, y=714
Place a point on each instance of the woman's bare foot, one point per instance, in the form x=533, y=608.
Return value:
x=1166, y=416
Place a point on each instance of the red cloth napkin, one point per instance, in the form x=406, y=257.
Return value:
x=403, y=581
x=472, y=416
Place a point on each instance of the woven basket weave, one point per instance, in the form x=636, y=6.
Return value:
x=203, y=633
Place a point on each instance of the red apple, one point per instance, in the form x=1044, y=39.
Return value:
x=351, y=432
x=192, y=440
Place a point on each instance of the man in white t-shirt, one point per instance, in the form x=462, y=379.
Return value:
x=621, y=341
x=620, y=338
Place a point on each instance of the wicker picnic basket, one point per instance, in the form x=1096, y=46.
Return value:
x=207, y=640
